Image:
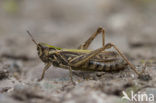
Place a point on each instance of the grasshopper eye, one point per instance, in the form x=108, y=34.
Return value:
x=38, y=48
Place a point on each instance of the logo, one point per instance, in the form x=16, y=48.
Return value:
x=140, y=96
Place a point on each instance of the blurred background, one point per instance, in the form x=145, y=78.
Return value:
x=129, y=24
x=69, y=23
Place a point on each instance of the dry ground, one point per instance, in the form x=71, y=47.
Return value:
x=129, y=24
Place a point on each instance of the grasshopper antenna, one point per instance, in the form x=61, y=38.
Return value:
x=32, y=37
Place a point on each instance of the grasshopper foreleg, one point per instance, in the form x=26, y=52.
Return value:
x=44, y=70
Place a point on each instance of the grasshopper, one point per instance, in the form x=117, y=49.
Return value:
x=83, y=59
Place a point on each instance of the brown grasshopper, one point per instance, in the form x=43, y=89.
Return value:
x=83, y=59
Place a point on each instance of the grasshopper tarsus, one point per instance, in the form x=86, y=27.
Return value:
x=145, y=77
x=83, y=59
x=39, y=79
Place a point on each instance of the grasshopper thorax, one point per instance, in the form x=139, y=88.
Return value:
x=46, y=51
x=43, y=52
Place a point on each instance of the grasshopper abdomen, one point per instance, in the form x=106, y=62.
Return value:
x=105, y=66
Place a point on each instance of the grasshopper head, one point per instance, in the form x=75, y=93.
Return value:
x=43, y=49
x=43, y=52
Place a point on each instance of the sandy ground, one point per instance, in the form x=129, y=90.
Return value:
x=129, y=24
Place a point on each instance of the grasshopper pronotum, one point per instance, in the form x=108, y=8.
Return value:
x=83, y=59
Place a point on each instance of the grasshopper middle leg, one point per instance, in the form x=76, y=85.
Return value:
x=61, y=57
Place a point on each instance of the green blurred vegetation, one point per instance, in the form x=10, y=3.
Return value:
x=11, y=6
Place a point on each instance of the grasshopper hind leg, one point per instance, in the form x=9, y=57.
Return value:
x=77, y=61
x=84, y=46
x=92, y=37
x=141, y=75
